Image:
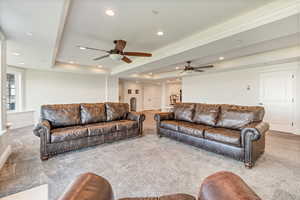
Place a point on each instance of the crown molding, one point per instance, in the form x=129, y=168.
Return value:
x=269, y=13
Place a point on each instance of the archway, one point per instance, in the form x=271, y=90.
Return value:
x=133, y=104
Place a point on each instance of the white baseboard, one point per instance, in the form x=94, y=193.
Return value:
x=5, y=155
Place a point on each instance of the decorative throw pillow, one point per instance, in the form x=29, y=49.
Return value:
x=60, y=115
x=116, y=111
x=92, y=113
x=236, y=117
x=184, y=111
x=206, y=114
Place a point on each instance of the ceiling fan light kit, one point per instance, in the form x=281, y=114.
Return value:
x=117, y=57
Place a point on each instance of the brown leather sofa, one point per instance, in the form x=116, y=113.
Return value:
x=219, y=186
x=230, y=130
x=66, y=127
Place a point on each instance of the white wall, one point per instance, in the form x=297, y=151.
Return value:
x=227, y=87
x=133, y=86
x=298, y=99
x=231, y=87
x=152, y=96
x=45, y=87
x=171, y=89
x=20, y=119
x=112, y=89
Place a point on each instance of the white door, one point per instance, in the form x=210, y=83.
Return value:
x=152, y=97
x=277, y=92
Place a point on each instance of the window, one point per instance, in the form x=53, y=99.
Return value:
x=11, y=102
x=14, y=90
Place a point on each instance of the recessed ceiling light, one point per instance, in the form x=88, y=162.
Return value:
x=99, y=66
x=82, y=48
x=160, y=33
x=177, y=68
x=21, y=63
x=16, y=54
x=221, y=58
x=110, y=12
x=29, y=33
x=71, y=62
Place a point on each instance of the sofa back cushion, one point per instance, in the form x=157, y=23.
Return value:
x=116, y=111
x=236, y=117
x=206, y=114
x=92, y=113
x=61, y=115
x=184, y=111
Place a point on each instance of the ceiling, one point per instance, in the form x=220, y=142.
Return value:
x=45, y=33
x=262, y=39
x=135, y=22
x=31, y=28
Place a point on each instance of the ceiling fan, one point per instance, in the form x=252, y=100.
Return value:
x=117, y=53
x=189, y=68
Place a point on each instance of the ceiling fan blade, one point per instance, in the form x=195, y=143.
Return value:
x=126, y=59
x=90, y=48
x=137, y=54
x=204, y=67
x=120, y=45
x=198, y=70
x=101, y=57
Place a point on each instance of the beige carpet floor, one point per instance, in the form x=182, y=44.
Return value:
x=149, y=166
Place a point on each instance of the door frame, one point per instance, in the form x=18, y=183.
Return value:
x=287, y=67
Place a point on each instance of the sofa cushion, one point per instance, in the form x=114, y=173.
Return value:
x=223, y=135
x=237, y=117
x=192, y=129
x=92, y=113
x=116, y=111
x=206, y=114
x=184, y=111
x=101, y=128
x=61, y=115
x=126, y=124
x=169, y=124
x=68, y=133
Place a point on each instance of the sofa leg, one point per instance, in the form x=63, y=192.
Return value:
x=159, y=135
x=43, y=158
x=249, y=165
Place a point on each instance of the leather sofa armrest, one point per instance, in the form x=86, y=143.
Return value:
x=163, y=116
x=253, y=141
x=42, y=127
x=136, y=116
x=88, y=186
x=226, y=185
x=254, y=131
